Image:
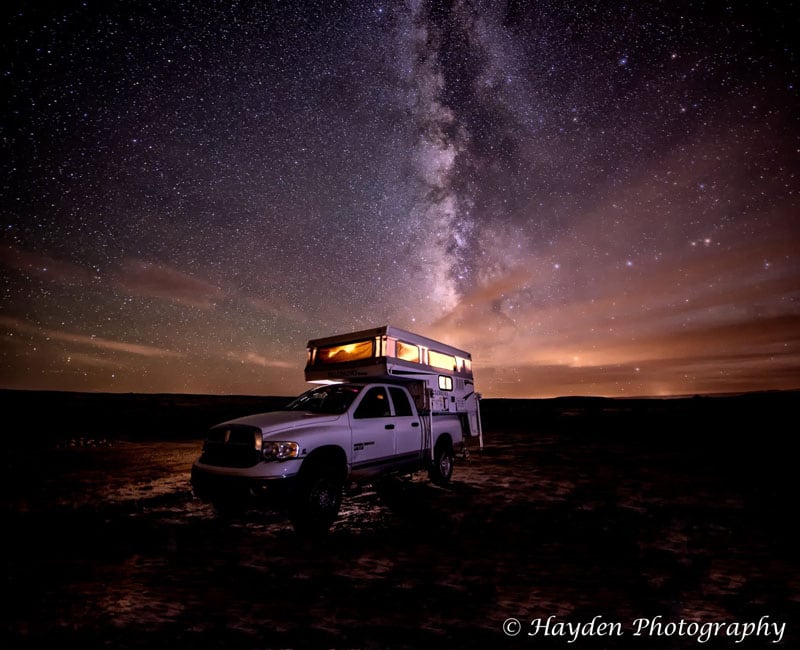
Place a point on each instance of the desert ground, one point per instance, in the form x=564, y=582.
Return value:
x=574, y=508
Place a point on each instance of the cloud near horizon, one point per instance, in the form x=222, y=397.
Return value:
x=259, y=360
x=87, y=340
x=160, y=281
x=46, y=267
x=711, y=318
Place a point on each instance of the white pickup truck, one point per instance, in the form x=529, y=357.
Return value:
x=389, y=415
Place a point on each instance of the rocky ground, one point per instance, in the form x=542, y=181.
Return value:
x=573, y=509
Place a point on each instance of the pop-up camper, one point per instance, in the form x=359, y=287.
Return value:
x=439, y=376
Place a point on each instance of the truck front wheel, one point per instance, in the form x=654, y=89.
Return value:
x=442, y=468
x=316, y=502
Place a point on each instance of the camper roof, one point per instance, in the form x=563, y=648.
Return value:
x=387, y=330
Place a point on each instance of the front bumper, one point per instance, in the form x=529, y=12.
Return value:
x=212, y=483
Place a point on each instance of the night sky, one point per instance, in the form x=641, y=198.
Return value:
x=591, y=198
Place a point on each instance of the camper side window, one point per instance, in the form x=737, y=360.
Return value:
x=375, y=404
x=439, y=360
x=407, y=351
x=445, y=383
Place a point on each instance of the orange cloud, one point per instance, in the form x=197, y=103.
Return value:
x=259, y=360
x=159, y=281
x=45, y=267
x=91, y=341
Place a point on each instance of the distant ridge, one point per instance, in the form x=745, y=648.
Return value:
x=56, y=415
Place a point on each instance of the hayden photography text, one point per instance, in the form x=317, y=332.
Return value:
x=647, y=627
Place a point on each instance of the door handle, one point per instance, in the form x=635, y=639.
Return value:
x=389, y=426
x=415, y=424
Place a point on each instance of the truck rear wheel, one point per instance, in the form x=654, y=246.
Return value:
x=443, y=458
x=316, y=502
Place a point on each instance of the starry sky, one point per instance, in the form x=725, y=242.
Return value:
x=592, y=198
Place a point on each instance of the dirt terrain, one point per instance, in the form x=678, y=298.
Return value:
x=574, y=508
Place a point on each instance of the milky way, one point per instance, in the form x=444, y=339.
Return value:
x=591, y=198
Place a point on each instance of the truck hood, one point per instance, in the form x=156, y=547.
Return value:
x=275, y=421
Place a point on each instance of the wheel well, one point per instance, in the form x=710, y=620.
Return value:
x=329, y=457
x=444, y=439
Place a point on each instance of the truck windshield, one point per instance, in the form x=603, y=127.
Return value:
x=333, y=399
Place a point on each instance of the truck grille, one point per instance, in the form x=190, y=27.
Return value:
x=231, y=446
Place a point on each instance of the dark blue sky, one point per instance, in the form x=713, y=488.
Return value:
x=591, y=199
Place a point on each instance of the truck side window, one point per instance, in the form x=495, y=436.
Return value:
x=402, y=407
x=375, y=404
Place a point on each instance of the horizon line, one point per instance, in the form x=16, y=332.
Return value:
x=291, y=396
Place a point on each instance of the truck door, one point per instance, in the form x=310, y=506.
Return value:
x=407, y=429
x=373, y=428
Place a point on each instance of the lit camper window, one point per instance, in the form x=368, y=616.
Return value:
x=445, y=383
x=407, y=352
x=439, y=360
x=343, y=353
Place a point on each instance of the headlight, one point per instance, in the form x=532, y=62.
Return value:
x=280, y=450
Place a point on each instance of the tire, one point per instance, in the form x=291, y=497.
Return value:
x=442, y=468
x=317, y=501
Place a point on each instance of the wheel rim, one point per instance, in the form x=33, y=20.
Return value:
x=445, y=465
x=324, y=496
